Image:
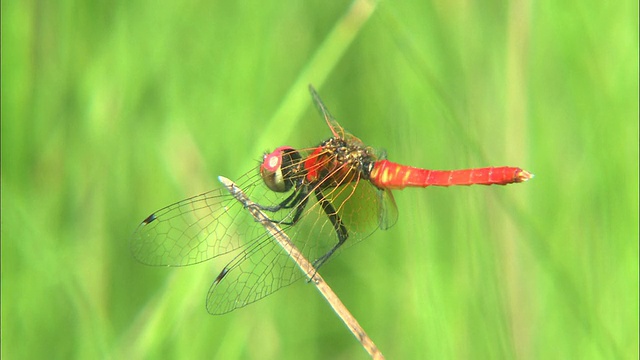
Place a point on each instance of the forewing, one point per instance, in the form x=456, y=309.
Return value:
x=199, y=228
x=264, y=266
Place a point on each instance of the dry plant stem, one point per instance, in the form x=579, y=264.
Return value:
x=274, y=230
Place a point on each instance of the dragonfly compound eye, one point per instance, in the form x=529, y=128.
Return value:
x=277, y=168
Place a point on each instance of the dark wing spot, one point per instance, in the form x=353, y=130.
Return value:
x=149, y=219
x=223, y=273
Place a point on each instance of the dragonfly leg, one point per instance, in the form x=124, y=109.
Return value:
x=287, y=203
x=338, y=225
x=296, y=216
x=298, y=200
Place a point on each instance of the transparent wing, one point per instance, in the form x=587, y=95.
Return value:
x=200, y=228
x=336, y=129
x=214, y=223
x=259, y=270
x=264, y=267
x=387, y=210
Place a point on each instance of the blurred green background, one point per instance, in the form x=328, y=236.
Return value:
x=111, y=110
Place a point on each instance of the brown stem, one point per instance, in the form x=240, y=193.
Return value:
x=304, y=264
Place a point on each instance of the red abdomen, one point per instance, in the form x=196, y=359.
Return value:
x=389, y=175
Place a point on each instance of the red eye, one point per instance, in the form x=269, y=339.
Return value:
x=271, y=169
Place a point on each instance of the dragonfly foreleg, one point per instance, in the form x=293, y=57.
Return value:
x=297, y=199
x=297, y=215
x=294, y=199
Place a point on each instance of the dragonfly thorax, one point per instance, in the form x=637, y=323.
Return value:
x=338, y=162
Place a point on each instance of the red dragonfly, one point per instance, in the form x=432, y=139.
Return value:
x=324, y=197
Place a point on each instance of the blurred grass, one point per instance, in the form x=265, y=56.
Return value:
x=112, y=110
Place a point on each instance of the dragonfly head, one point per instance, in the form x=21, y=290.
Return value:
x=278, y=168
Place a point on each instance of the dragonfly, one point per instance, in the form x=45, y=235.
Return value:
x=324, y=198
